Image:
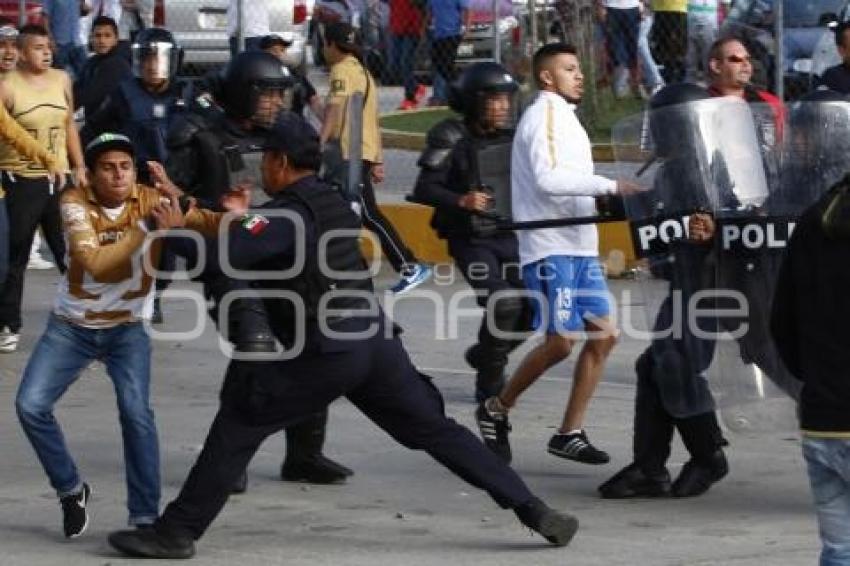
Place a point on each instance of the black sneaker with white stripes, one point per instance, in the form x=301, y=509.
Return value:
x=577, y=447
x=75, y=517
x=494, y=428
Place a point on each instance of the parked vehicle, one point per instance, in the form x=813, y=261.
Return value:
x=200, y=26
x=372, y=17
x=808, y=46
x=10, y=10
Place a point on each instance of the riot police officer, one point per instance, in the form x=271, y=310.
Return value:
x=671, y=392
x=209, y=149
x=467, y=193
x=348, y=348
x=723, y=193
x=145, y=106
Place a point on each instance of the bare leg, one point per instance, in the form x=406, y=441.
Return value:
x=554, y=349
x=588, y=371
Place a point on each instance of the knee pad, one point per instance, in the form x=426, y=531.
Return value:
x=508, y=312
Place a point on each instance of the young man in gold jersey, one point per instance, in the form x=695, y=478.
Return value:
x=40, y=99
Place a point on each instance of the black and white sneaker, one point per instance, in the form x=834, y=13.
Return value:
x=494, y=428
x=577, y=447
x=75, y=518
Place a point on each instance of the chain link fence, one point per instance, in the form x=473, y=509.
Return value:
x=628, y=48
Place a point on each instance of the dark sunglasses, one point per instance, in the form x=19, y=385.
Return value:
x=736, y=59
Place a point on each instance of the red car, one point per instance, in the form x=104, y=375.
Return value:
x=11, y=10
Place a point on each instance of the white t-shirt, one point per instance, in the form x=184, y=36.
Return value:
x=622, y=4
x=552, y=177
x=255, y=18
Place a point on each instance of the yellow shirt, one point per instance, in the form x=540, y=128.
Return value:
x=347, y=77
x=106, y=283
x=670, y=6
x=21, y=141
x=43, y=112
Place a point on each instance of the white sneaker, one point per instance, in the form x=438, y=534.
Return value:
x=39, y=263
x=8, y=340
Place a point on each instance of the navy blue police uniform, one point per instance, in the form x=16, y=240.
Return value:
x=362, y=359
x=207, y=147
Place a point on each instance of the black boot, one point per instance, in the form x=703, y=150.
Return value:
x=316, y=469
x=148, y=543
x=490, y=355
x=304, y=459
x=558, y=528
x=697, y=477
x=489, y=376
x=631, y=481
x=702, y=437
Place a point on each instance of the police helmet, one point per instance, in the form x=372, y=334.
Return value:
x=818, y=137
x=156, y=54
x=468, y=94
x=246, y=78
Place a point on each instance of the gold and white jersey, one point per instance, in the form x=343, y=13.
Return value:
x=106, y=283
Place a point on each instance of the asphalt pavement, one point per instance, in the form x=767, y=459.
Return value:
x=400, y=507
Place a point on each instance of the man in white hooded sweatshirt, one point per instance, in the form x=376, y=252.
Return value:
x=552, y=177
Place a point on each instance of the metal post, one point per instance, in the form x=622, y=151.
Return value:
x=240, y=20
x=22, y=13
x=532, y=14
x=779, y=59
x=497, y=36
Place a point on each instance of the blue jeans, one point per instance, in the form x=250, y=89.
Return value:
x=828, y=463
x=649, y=69
x=4, y=242
x=621, y=30
x=61, y=354
x=403, y=55
x=440, y=88
x=443, y=55
x=71, y=58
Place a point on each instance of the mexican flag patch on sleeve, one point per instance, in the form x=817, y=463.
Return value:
x=254, y=223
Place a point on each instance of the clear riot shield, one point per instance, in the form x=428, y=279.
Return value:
x=492, y=161
x=757, y=390
x=697, y=157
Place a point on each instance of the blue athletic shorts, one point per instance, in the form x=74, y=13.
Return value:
x=574, y=289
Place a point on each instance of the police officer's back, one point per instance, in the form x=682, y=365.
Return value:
x=273, y=243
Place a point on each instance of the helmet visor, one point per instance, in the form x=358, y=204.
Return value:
x=496, y=110
x=272, y=99
x=154, y=62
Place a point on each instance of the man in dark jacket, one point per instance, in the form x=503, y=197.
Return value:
x=809, y=325
x=837, y=78
x=103, y=70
